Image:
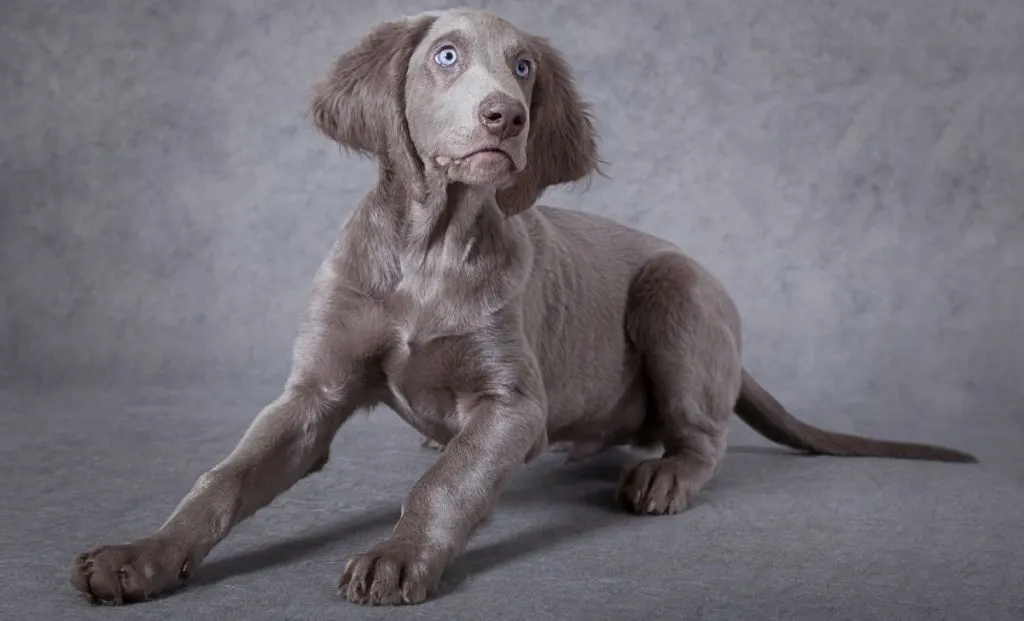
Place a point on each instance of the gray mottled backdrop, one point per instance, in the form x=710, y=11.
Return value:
x=853, y=171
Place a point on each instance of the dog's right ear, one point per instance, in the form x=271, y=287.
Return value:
x=361, y=103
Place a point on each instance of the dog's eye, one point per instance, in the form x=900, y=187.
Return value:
x=523, y=68
x=446, y=56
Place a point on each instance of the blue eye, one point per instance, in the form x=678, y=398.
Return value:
x=446, y=56
x=523, y=68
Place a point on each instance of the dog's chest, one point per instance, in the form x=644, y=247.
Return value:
x=424, y=378
x=421, y=363
x=426, y=277
x=435, y=321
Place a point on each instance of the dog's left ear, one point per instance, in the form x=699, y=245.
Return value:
x=361, y=103
x=562, y=143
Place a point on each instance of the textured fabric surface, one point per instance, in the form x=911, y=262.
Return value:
x=776, y=536
x=853, y=172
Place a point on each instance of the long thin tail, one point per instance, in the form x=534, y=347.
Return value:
x=759, y=409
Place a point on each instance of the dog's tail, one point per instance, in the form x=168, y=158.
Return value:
x=759, y=409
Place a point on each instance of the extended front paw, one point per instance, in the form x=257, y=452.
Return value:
x=392, y=573
x=129, y=573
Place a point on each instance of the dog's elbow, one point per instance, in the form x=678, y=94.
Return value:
x=510, y=422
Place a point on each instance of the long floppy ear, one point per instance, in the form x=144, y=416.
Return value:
x=361, y=102
x=562, y=143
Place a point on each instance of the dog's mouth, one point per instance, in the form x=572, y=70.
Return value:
x=487, y=157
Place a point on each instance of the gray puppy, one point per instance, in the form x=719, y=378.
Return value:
x=491, y=325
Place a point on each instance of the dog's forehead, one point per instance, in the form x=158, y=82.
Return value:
x=477, y=26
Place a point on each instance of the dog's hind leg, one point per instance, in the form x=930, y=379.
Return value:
x=687, y=330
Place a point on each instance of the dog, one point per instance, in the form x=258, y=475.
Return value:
x=492, y=325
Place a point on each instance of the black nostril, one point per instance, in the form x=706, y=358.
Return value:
x=518, y=120
x=493, y=115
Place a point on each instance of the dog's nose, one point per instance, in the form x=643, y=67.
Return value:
x=502, y=115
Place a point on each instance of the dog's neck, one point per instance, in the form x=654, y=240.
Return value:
x=448, y=216
x=454, y=237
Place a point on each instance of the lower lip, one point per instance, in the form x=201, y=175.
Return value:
x=489, y=158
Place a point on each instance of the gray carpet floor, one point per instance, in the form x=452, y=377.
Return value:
x=777, y=536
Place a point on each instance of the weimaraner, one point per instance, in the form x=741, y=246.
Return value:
x=491, y=325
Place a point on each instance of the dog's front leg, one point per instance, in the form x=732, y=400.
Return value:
x=449, y=501
x=289, y=439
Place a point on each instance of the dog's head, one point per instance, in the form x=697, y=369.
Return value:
x=462, y=96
